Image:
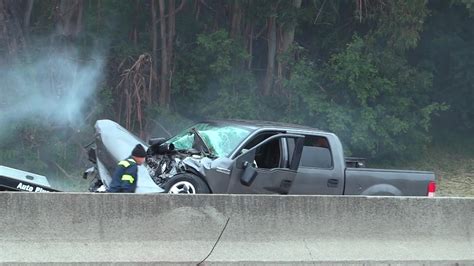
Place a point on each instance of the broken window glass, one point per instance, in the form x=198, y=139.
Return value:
x=221, y=139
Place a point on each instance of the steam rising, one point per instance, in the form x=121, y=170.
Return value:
x=55, y=87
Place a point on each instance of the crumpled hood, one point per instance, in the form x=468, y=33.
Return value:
x=115, y=143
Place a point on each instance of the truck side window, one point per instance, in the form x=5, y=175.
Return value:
x=316, y=153
x=268, y=155
x=259, y=138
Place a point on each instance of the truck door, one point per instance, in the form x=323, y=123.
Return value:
x=316, y=172
x=265, y=168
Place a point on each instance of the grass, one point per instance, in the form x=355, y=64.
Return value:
x=69, y=184
x=454, y=171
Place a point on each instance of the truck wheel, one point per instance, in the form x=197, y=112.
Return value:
x=186, y=184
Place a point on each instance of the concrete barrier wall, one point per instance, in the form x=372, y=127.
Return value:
x=108, y=228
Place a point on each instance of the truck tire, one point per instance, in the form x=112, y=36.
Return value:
x=186, y=183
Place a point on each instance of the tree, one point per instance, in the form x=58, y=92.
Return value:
x=378, y=109
x=446, y=50
x=281, y=26
x=11, y=30
x=271, y=50
x=376, y=72
x=154, y=49
x=167, y=34
x=69, y=15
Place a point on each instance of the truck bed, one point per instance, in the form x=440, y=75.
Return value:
x=368, y=181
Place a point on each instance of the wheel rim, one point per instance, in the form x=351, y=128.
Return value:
x=182, y=187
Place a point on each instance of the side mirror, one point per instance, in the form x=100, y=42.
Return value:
x=249, y=174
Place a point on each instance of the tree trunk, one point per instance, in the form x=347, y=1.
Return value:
x=288, y=32
x=271, y=53
x=249, y=37
x=286, y=38
x=170, y=43
x=27, y=18
x=196, y=9
x=163, y=100
x=134, y=32
x=236, y=19
x=168, y=32
x=11, y=32
x=69, y=18
x=220, y=14
x=99, y=17
x=154, y=36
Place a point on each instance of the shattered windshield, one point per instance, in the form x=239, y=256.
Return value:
x=221, y=139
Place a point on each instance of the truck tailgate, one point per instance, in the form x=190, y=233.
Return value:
x=366, y=181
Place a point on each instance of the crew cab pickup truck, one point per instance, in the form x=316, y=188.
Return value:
x=236, y=156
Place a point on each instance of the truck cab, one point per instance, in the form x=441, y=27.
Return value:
x=310, y=161
x=290, y=161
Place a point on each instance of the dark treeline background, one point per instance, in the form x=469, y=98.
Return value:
x=390, y=77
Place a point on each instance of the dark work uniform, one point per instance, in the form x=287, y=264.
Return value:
x=125, y=177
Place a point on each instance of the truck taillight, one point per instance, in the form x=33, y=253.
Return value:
x=431, y=189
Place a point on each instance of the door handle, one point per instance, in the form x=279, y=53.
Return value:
x=333, y=182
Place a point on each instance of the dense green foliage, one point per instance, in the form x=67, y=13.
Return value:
x=386, y=76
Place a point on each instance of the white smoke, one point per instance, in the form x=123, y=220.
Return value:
x=54, y=87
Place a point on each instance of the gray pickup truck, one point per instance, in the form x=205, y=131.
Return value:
x=235, y=156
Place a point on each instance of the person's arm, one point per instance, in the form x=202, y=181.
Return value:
x=115, y=185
